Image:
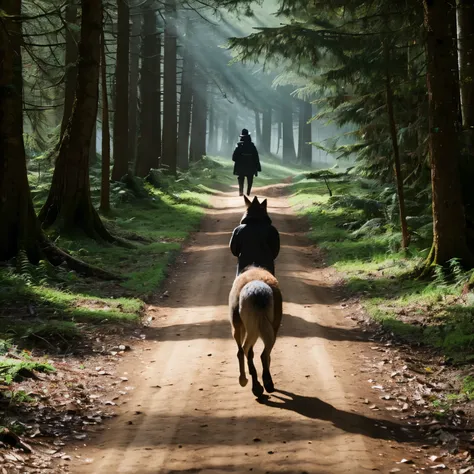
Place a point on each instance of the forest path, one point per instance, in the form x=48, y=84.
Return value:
x=188, y=413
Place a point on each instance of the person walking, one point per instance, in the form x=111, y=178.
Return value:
x=246, y=161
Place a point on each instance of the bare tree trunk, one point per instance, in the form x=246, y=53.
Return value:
x=185, y=103
x=267, y=130
x=224, y=134
x=133, y=93
x=396, y=152
x=213, y=129
x=105, y=181
x=449, y=224
x=121, y=150
x=466, y=63
x=280, y=133
x=71, y=63
x=170, y=119
x=289, y=155
x=148, y=146
x=300, y=130
x=258, y=128
x=199, y=123
x=157, y=93
x=93, y=149
x=232, y=132
x=69, y=205
x=306, y=137
x=20, y=229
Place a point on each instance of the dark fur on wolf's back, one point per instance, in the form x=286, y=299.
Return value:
x=255, y=241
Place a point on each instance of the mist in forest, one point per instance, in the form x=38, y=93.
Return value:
x=238, y=95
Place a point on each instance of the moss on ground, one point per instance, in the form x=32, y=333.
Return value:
x=432, y=313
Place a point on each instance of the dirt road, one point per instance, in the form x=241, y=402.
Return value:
x=188, y=413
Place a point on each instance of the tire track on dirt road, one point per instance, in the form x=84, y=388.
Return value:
x=188, y=413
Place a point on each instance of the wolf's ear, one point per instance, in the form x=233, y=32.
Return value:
x=264, y=204
x=255, y=200
x=247, y=201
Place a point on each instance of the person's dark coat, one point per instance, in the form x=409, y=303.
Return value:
x=245, y=157
x=255, y=242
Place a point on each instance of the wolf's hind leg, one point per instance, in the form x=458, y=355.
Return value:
x=266, y=376
x=238, y=333
x=257, y=389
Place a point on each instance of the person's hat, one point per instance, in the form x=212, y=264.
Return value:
x=244, y=133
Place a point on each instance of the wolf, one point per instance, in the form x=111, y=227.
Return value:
x=255, y=300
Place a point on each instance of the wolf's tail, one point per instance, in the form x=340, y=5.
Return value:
x=256, y=311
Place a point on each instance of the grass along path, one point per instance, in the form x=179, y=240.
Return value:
x=354, y=229
x=49, y=309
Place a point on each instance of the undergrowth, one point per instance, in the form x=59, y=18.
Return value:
x=357, y=228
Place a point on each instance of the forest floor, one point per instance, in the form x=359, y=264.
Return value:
x=351, y=396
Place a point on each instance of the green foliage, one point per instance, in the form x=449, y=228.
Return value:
x=335, y=57
x=371, y=208
x=431, y=313
x=12, y=370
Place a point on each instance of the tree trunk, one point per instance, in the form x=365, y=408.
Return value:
x=185, y=104
x=170, y=119
x=71, y=63
x=466, y=63
x=133, y=93
x=157, y=94
x=150, y=134
x=289, y=155
x=300, y=131
x=396, y=153
x=449, y=225
x=224, y=134
x=105, y=179
x=199, y=123
x=258, y=128
x=280, y=127
x=213, y=130
x=267, y=130
x=121, y=150
x=93, y=148
x=232, y=134
x=69, y=205
x=307, y=151
x=20, y=229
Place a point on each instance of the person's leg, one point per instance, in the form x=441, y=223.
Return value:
x=241, y=185
x=249, y=184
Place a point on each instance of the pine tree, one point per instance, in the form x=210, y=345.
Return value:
x=149, y=143
x=199, y=119
x=71, y=62
x=170, y=110
x=466, y=63
x=185, y=103
x=449, y=222
x=69, y=205
x=121, y=149
x=134, y=77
